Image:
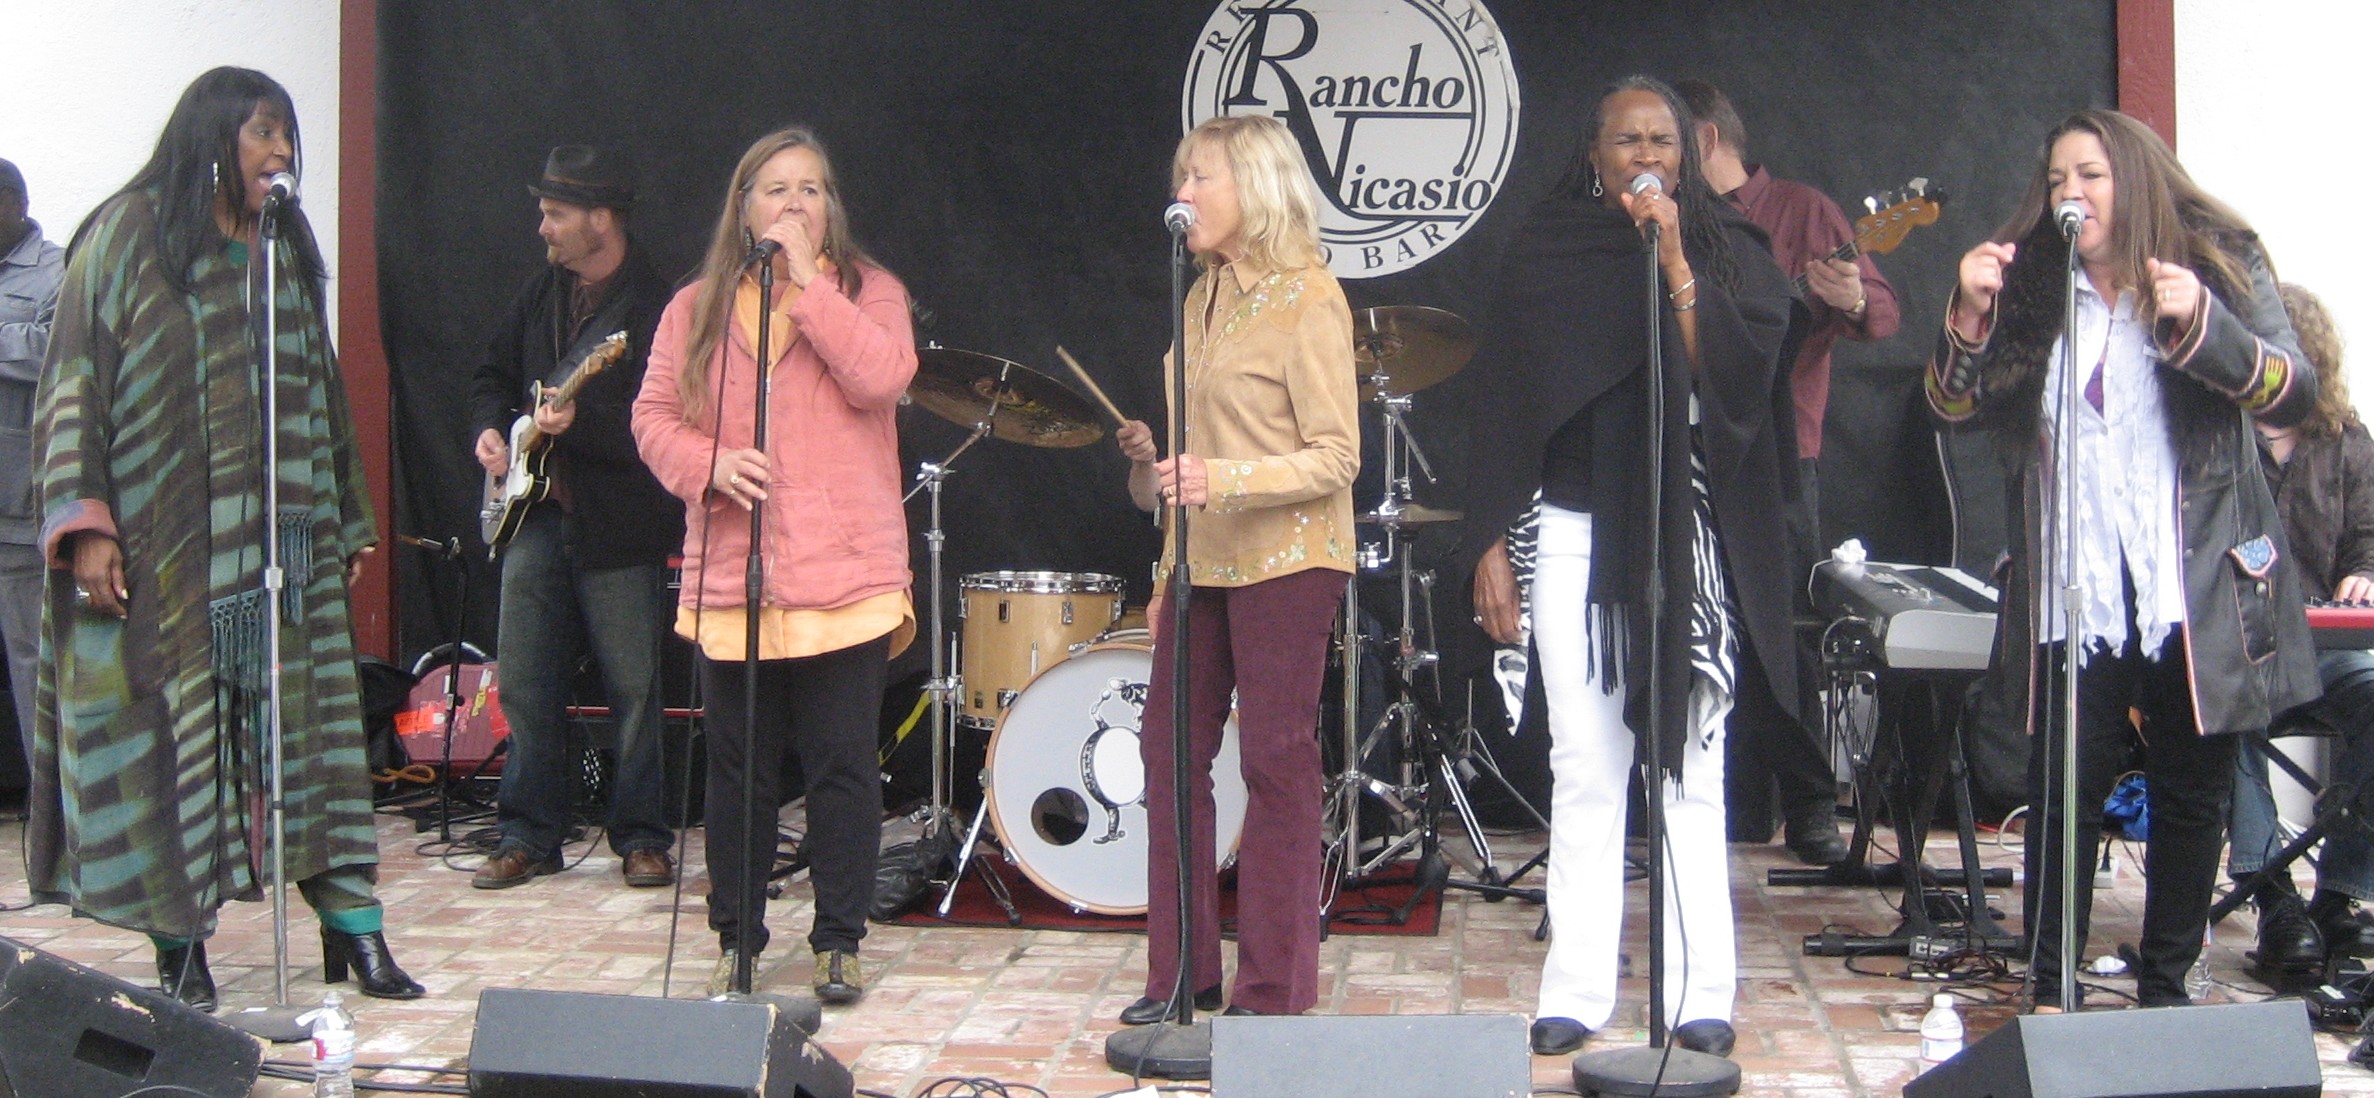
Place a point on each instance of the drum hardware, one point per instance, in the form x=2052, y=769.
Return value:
x=1405, y=349
x=991, y=397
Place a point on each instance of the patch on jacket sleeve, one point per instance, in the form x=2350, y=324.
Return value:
x=2255, y=556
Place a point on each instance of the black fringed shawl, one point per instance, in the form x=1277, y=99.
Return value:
x=1567, y=338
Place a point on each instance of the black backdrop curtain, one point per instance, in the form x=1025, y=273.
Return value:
x=1009, y=159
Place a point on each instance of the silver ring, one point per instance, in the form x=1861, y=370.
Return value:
x=81, y=596
x=1479, y=619
x=735, y=480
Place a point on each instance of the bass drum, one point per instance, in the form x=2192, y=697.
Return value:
x=1067, y=790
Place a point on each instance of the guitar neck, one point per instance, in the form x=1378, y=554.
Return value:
x=1849, y=251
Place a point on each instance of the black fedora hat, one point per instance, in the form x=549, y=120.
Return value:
x=588, y=176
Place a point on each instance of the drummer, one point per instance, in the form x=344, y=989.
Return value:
x=1272, y=410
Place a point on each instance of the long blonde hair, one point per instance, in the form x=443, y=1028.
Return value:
x=729, y=245
x=1280, y=203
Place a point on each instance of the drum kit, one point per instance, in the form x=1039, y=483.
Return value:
x=1050, y=667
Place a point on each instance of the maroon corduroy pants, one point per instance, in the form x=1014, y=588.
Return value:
x=1268, y=643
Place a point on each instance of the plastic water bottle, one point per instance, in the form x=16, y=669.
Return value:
x=333, y=1048
x=2196, y=978
x=1941, y=1031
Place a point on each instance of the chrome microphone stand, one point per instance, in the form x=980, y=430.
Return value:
x=280, y=1022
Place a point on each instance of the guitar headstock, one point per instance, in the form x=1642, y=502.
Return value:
x=1895, y=214
x=606, y=355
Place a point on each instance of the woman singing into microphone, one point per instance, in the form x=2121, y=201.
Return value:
x=1571, y=445
x=2190, y=609
x=840, y=351
x=1273, y=443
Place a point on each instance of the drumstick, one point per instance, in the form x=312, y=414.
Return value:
x=1099, y=394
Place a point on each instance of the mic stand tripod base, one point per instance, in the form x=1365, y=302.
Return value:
x=1165, y=1050
x=277, y=1024
x=1664, y=1072
x=807, y=1014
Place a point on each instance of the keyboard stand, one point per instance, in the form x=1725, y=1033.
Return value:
x=1942, y=767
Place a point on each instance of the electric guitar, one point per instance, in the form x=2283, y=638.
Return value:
x=1891, y=219
x=507, y=497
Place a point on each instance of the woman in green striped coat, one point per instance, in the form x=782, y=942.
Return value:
x=148, y=804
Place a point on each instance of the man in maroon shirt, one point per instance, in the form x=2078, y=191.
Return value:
x=1847, y=299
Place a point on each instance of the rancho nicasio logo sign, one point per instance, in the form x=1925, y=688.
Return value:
x=1406, y=110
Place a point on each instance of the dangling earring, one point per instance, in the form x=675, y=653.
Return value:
x=748, y=241
x=1596, y=191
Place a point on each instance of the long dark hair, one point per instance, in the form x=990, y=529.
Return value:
x=1701, y=208
x=196, y=164
x=2156, y=210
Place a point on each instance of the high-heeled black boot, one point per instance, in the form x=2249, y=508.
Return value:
x=374, y=967
x=182, y=973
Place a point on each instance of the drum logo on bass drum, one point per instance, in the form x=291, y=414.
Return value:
x=1406, y=110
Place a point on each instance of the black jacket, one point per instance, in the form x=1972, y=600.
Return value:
x=618, y=513
x=2245, y=631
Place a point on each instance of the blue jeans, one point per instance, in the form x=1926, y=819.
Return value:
x=2347, y=865
x=553, y=611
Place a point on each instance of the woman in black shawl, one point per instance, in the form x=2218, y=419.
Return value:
x=1573, y=473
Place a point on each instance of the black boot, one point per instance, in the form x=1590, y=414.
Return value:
x=2346, y=931
x=2289, y=942
x=374, y=967
x=1813, y=837
x=182, y=974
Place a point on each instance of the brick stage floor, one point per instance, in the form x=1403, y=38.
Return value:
x=1035, y=1006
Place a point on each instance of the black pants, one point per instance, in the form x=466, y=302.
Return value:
x=826, y=709
x=2189, y=776
x=1768, y=748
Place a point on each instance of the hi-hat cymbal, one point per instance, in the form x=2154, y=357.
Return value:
x=1411, y=346
x=964, y=387
x=1410, y=514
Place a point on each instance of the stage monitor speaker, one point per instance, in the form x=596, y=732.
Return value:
x=554, y=1044
x=1371, y=1056
x=2235, y=1048
x=66, y=1029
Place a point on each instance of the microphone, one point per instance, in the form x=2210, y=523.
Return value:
x=765, y=251
x=1643, y=185
x=2070, y=216
x=1179, y=217
x=280, y=189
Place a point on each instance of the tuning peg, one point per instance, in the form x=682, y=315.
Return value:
x=1871, y=202
x=1920, y=184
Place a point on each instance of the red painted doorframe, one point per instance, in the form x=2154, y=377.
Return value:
x=2146, y=89
x=2147, y=64
x=361, y=354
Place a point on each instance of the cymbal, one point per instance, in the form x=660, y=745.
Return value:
x=1411, y=514
x=1413, y=346
x=964, y=387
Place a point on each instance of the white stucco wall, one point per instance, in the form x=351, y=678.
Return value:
x=90, y=83
x=2268, y=118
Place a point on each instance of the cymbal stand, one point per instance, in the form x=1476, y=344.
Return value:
x=1427, y=758
x=937, y=819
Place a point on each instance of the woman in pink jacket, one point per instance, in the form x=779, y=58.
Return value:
x=835, y=607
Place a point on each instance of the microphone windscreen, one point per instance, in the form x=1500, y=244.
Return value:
x=1648, y=183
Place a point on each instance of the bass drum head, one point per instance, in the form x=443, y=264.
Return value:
x=1067, y=789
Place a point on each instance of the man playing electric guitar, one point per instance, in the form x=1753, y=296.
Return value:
x=1849, y=299
x=586, y=567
